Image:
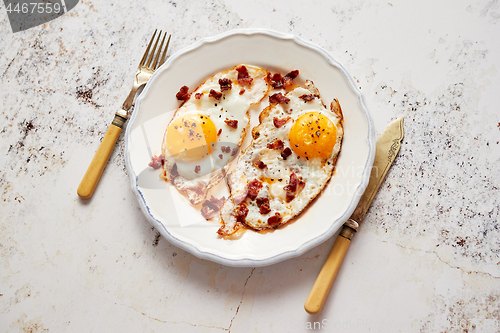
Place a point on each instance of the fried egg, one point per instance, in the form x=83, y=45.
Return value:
x=288, y=163
x=207, y=130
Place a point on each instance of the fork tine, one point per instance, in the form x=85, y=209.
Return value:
x=162, y=60
x=155, y=62
x=150, y=59
x=142, y=63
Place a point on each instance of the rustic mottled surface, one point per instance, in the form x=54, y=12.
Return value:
x=426, y=259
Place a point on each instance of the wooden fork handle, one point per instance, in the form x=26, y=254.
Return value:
x=324, y=281
x=101, y=157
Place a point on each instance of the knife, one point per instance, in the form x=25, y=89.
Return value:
x=387, y=148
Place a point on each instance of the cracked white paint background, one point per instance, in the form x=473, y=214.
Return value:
x=426, y=258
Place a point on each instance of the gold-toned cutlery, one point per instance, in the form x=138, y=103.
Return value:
x=387, y=148
x=150, y=61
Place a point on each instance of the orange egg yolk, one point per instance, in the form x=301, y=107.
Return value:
x=313, y=135
x=190, y=137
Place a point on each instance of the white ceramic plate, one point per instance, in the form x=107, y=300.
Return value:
x=171, y=214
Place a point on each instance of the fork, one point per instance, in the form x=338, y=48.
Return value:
x=149, y=63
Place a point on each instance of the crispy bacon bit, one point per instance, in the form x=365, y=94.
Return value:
x=242, y=91
x=261, y=201
x=291, y=75
x=245, y=80
x=280, y=122
x=212, y=206
x=294, y=187
x=215, y=94
x=260, y=164
x=197, y=169
x=221, y=156
x=174, y=173
x=253, y=189
x=231, y=123
x=207, y=212
x=286, y=152
x=198, y=95
x=241, y=213
x=276, y=80
x=264, y=209
x=157, y=161
x=274, y=220
x=277, y=145
x=288, y=78
x=294, y=182
x=278, y=98
x=225, y=84
x=234, y=151
x=225, y=149
x=214, y=202
x=243, y=77
x=183, y=94
x=219, y=131
x=307, y=98
x=263, y=204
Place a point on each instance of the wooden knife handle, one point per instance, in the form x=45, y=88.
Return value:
x=324, y=281
x=101, y=157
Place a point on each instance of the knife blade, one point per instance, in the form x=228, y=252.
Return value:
x=386, y=149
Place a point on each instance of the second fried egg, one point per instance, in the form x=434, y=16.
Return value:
x=289, y=161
